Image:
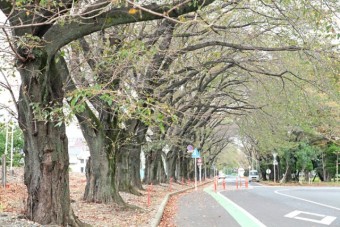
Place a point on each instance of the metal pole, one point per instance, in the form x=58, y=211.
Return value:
x=337, y=167
x=6, y=138
x=11, y=165
x=4, y=170
x=274, y=174
x=200, y=166
x=195, y=175
x=205, y=169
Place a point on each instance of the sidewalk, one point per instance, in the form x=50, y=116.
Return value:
x=199, y=209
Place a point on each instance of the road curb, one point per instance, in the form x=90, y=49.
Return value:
x=157, y=219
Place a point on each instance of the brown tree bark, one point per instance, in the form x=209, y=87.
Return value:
x=46, y=145
x=128, y=171
x=154, y=167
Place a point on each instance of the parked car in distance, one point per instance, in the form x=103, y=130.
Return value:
x=220, y=179
x=227, y=179
x=254, y=176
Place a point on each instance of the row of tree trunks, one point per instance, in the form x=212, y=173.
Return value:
x=154, y=168
x=128, y=171
x=171, y=159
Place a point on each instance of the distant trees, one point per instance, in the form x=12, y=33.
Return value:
x=18, y=143
x=298, y=119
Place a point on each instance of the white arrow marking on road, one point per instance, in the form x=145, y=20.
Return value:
x=326, y=220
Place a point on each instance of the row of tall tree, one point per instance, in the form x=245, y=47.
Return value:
x=155, y=86
x=298, y=122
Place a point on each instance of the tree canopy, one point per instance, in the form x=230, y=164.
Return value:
x=175, y=72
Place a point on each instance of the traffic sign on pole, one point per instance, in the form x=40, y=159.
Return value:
x=195, y=154
x=190, y=148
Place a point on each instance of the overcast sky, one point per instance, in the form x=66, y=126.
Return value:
x=6, y=66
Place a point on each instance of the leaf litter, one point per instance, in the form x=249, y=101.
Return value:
x=13, y=202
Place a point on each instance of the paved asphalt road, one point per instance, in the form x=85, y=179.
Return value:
x=290, y=206
x=261, y=206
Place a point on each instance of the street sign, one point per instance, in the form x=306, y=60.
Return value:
x=275, y=162
x=199, y=160
x=268, y=171
x=190, y=148
x=195, y=154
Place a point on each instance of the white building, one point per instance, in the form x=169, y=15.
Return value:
x=79, y=154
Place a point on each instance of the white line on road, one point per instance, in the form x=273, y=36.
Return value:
x=306, y=200
x=326, y=220
x=258, y=222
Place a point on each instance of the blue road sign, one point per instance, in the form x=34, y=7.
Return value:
x=195, y=154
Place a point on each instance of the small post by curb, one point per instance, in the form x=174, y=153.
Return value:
x=223, y=183
x=236, y=182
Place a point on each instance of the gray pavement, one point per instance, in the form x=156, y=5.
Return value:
x=260, y=206
x=199, y=209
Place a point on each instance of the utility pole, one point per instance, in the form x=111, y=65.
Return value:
x=11, y=165
x=337, y=167
x=3, y=161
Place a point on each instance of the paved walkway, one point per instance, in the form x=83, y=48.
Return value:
x=207, y=208
x=200, y=209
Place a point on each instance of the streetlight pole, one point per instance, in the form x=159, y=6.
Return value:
x=4, y=159
x=337, y=167
x=11, y=165
x=6, y=141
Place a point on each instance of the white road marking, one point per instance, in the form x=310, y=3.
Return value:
x=258, y=222
x=326, y=220
x=306, y=200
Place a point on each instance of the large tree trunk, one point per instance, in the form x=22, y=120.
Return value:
x=128, y=170
x=135, y=166
x=100, y=134
x=46, y=145
x=124, y=171
x=154, y=167
x=102, y=184
x=171, y=159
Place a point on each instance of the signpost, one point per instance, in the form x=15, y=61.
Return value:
x=190, y=148
x=199, y=163
x=195, y=155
